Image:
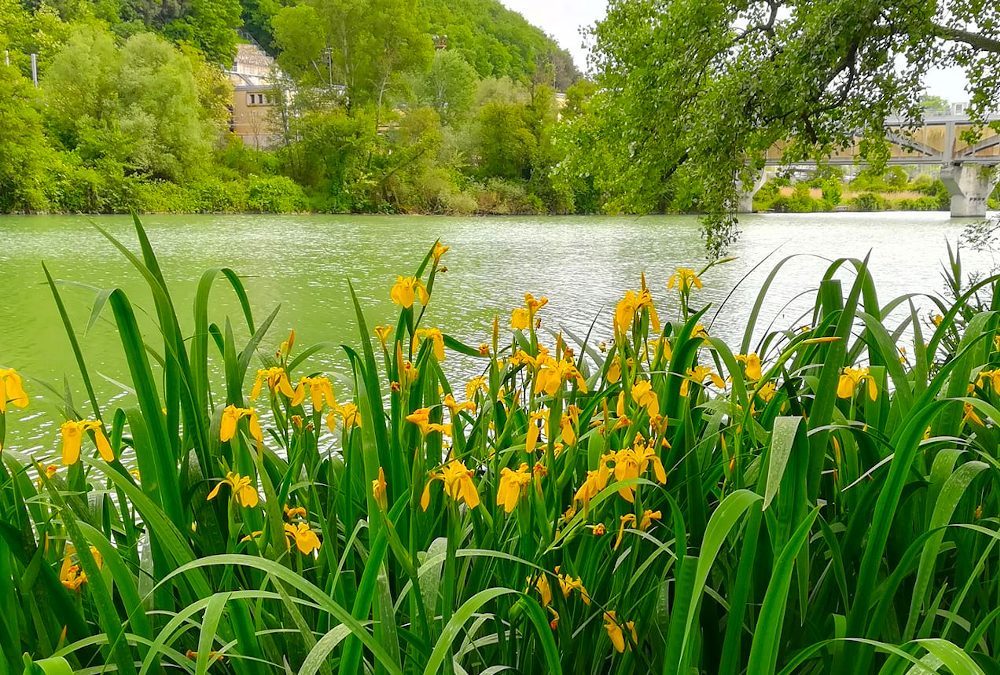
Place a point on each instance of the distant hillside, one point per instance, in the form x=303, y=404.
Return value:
x=498, y=41
x=495, y=40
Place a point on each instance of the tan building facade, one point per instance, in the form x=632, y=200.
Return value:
x=255, y=113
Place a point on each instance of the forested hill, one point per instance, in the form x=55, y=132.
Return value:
x=497, y=41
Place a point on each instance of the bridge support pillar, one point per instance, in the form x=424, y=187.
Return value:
x=969, y=186
x=744, y=203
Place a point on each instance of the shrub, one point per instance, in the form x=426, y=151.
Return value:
x=274, y=194
x=869, y=201
x=163, y=197
x=213, y=195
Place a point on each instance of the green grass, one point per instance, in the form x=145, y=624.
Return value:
x=804, y=525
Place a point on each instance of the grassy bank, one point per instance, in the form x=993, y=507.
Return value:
x=817, y=501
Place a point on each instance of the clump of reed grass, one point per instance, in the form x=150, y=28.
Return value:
x=660, y=503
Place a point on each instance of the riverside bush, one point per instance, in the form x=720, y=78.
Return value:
x=811, y=500
x=274, y=194
x=868, y=201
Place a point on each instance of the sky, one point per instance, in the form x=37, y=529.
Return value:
x=562, y=19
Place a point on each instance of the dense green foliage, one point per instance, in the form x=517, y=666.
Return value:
x=389, y=106
x=870, y=190
x=696, y=91
x=821, y=501
x=132, y=108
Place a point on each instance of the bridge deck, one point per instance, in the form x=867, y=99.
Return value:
x=937, y=141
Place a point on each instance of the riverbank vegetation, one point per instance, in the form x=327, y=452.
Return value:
x=828, y=189
x=436, y=106
x=132, y=108
x=821, y=497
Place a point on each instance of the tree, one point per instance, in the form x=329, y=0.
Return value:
x=301, y=44
x=368, y=43
x=211, y=26
x=713, y=84
x=25, y=150
x=449, y=85
x=140, y=106
x=506, y=141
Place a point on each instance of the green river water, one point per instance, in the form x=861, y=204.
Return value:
x=302, y=263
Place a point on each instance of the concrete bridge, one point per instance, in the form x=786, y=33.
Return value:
x=968, y=170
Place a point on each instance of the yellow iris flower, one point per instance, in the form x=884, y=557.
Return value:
x=970, y=415
x=631, y=463
x=305, y=539
x=231, y=416
x=645, y=397
x=436, y=338
x=767, y=392
x=614, y=628
x=72, y=438
x=320, y=391
x=568, y=424
x=277, y=380
x=698, y=375
x=455, y=407
x=422, y=418
x=523, y=317
x=458, y=485
x=512, y=484
x=531, y=438
x=349, y=415
x=474, y=386
x=751, y=363
x=631, y=305
x=596, y=481
x=383, y=333
x=568, y=584
x=684, y=279
x=48, y=471
x=439, y=250
x=292, y=512
x=70, y=574
x=406, y=290
x=552, y=373
x=991, y=376
x=614, y=370
x=378, y=489
x=243, y=491
x=541, y=584
x=11, y=390
x=850, y=378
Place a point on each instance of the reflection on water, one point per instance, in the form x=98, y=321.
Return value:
x=302, y=263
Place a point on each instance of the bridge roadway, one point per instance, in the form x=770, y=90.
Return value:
x=968, y=170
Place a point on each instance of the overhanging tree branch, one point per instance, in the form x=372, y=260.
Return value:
x=981, y=42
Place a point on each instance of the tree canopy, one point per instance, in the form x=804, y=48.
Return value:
x=701, y=88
